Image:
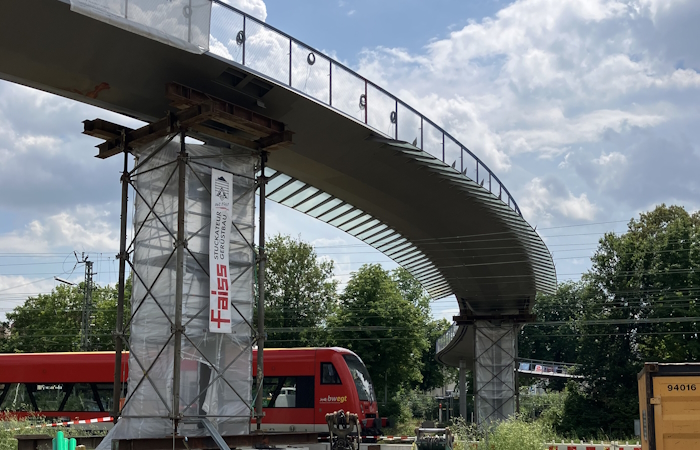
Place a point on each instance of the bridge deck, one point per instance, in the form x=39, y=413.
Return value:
x=408, y=188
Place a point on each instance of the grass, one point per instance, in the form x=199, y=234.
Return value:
x=11, y=426
x=512, y=434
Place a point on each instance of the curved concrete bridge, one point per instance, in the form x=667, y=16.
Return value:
x=361, y=160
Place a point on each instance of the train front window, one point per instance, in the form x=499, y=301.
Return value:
x=360, y=376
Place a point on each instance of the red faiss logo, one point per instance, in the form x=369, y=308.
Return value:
x=222, y=293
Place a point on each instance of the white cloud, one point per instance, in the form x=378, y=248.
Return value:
x=255, y=8
x=544, y=200
x=14, y=290
x=539, y=76
x=82, y=228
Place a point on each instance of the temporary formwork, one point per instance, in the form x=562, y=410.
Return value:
x=182, y=367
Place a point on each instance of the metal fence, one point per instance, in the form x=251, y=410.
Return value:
x=240, y=38
x=446, y=338
x=546, y=368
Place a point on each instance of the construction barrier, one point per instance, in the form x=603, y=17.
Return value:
x=72, y=422
x=592, y=446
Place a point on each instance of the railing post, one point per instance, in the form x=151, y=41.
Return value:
x=421, y=133
x=290, y=63
x=245, y=38
x=396, y=117
x=443, y=147
x=330, y=82
x=366, y=103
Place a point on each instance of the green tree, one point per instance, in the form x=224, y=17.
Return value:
x=554, y=342
x=299, y=293
x=385, y=329
x=53, y=322
x=434, y=374
x=638, y=284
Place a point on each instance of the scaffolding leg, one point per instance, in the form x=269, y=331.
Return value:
x=261, y=295
x=119, y=335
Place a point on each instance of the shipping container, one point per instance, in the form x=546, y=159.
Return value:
x=669, y=406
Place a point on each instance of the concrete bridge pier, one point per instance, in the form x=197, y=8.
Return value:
x=495, y=388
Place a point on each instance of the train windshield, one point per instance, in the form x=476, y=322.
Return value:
x=363, y=382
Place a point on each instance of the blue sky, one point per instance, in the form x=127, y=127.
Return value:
x=347, y=27
x=586, y=109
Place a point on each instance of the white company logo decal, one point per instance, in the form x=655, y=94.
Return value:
x=331, y=399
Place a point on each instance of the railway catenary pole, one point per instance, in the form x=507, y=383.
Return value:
x=118, y=335
x=261, y=293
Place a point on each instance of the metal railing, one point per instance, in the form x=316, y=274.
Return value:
x=534, y=366
x=242, y=39
x=445, y=339
x=547, y=368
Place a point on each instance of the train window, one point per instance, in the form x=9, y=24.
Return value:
x=16, y=398
x=56, y=397
x=105, y=392
x=82, y=398
x=47, y=397
x=288, y=392
x=4, y=389
x=360, y=376
x=328, y=374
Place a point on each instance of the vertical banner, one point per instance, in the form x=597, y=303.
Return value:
x=219, y=237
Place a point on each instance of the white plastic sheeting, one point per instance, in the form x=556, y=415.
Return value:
x=181, y=23
x=494, y=371
x=215, y=368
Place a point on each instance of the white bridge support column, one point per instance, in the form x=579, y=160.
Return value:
x=494, y=371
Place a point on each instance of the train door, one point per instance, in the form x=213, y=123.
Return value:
x=288, y=393
x=331, y=394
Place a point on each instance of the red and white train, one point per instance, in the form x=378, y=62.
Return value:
x=301, y=386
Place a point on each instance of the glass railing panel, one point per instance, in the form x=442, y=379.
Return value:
x=432, y=140
x=347, y=91
x=266, y=51
x=408, y=125
x=445, y=338
x=310, y=73
x=381, y=111
x=469, y=164
x=482, y=176
x=226, y=39
x=453, y=153
x=252, y=43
